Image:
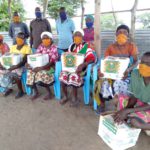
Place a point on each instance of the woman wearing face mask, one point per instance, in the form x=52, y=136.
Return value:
x=3, y=46
x=136, y=106
x=89, y=30
x=76, y=79
x=121, y=48
x=43, y=75
x=14, y=72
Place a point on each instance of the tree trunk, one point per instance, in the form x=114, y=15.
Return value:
x=133, y=20
x=82, y=15
x=97, y=31
x=45, y=4
x=9, y=9
x=114, y=14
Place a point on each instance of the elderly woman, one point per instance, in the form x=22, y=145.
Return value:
x=89, y=30
x=79, y=46
x=121, y=48
x=136, y=106
x=14, y=72
x=43, y=75
x=3, y=46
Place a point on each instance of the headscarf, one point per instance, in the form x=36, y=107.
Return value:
x=79, y=30
x=90, y=17
x=48, y=34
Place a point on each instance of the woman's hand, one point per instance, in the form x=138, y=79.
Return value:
x=27, y=66
x=121, y=115
x=126, y=73
x=13, y=67
x=81, y=67
x=37, y=69
x=100, y=74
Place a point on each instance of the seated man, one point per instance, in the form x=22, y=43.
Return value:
x=136, y=107
x=14, y=72
x=43, y=75
x=122, y=47
x=79, y=46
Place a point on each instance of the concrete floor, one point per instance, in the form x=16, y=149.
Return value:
x=40, y=125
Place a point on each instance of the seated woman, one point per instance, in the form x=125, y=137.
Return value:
x=14, y=72
x=136, y=107
x=121, y=48
x=4, y=48
x=79, y=46
x=43, y=75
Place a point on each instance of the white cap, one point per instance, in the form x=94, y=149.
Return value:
x=79, y=30
x=47, y=33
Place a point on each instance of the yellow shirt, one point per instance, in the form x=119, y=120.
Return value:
x=24, y=50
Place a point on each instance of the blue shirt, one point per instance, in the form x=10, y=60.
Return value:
x=64, y=30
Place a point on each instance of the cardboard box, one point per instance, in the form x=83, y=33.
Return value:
x=117, y=137
x=114, y=67
x=38, y=60
x=70, y=61
x=9, y=60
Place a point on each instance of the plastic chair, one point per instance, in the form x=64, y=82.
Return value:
x=86, y=86
x=56, y=84
x=95, y=77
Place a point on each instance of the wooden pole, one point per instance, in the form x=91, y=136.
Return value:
x=9, y=9
x=133, y=20
x=97, y=39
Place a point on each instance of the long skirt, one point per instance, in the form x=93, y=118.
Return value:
x=42, y=76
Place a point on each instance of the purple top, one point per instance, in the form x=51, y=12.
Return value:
x=88, y=34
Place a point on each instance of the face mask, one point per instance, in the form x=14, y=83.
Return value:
x=16, y=19
x=89, y=24
x=46, y=42
x=144, y=70
x=63, y=15
x=121, y=39
x=38, y=14
x=77, y=40
x=19, y=41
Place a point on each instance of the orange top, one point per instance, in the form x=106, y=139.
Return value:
x=129, y=49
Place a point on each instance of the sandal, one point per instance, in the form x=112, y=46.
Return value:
x=63, y=101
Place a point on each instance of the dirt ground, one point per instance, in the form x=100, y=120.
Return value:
x=40, y=125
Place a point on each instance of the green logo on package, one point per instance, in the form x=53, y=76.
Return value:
x=70, y=60
x=7, y=61
x=112, y=66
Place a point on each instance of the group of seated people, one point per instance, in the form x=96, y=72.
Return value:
x=132, y=92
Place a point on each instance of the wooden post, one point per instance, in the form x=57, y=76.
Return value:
x=133, y=19
x=45, y=4
x=97, y=39
x=82, y=15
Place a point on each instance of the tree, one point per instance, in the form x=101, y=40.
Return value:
x=144, y=19
x=54, y=5
x=5, y=12
x=108, y=22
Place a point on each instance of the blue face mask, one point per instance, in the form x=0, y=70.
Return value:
x=89, y=24
x=63, y=15
x=38, y=14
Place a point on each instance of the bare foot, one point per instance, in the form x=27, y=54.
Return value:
x=74, y=103
x=47, y=97
x=34, y=97
x=63, y=101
